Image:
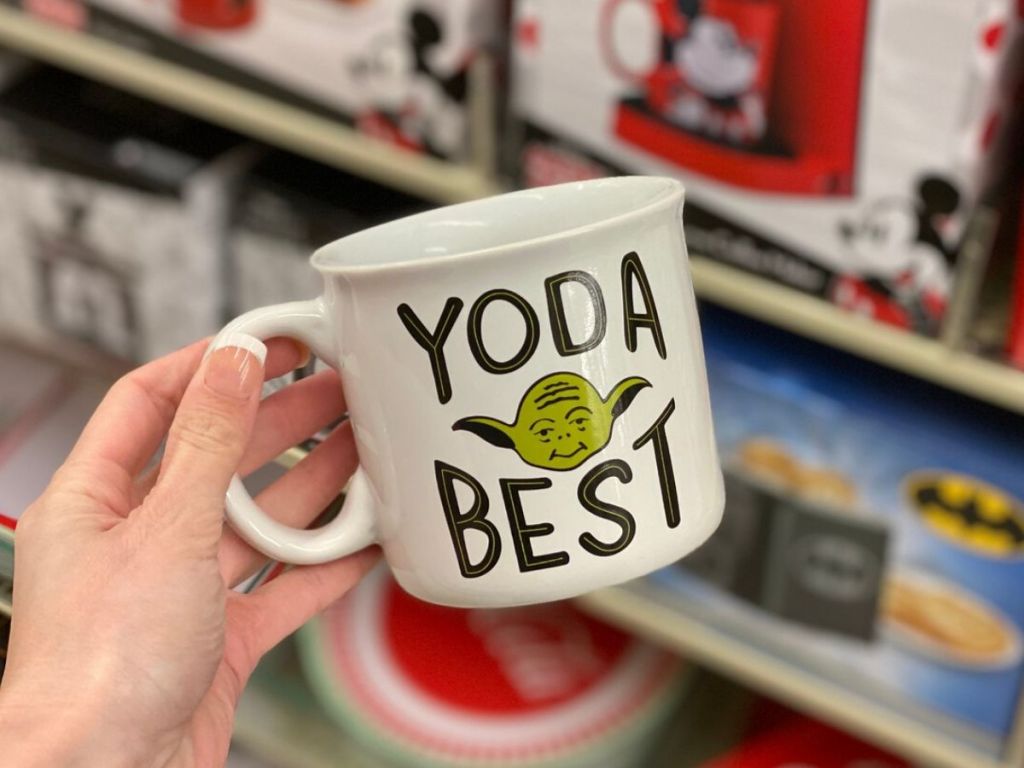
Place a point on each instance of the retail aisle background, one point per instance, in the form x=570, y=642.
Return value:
x=852, y=179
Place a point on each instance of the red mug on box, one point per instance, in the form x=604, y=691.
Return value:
x=710, y=72
x=217, y=14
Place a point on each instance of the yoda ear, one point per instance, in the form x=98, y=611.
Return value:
x=623, y=393
x=493, y=431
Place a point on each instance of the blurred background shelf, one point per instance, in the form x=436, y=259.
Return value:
x=279, y=718
x=919, y=356
x=259, y=116
x=643, y=609
x=338, y=145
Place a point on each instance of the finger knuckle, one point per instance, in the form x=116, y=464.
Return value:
x=136, y=385
x=206, y=429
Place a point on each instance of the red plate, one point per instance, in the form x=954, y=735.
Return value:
x=524, y=683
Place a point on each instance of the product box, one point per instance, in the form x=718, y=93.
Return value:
x=891, y=521
x=794, y=553
x=838, y=148
x=396, y=69
x=283, y=209
x=542, y=685
x=113, y=218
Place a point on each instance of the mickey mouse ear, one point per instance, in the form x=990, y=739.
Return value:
x=938, y=195
x=425, y=26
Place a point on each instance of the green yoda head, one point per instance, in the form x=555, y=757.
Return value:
x=562, y=420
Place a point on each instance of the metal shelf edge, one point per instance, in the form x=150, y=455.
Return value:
x=816, y=319
x=805, y=691
x=291, y=457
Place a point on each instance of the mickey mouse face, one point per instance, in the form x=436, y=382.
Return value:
x=714, y=61
x=383, y=72
x=882, y=241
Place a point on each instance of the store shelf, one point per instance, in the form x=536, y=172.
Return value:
x=68, y=352
x=252, y=114
x=335, y=144
x=644, y=610
x=816, y=319
x=291, y=457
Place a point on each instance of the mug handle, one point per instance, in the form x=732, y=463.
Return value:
x=353, y=529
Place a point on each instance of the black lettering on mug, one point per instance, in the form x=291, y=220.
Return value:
x=587, y=493
x=556, y=312
x=666, y=477
x=633, y=272
x=522, y=531
x=434, y=342
x=475, y=331
x=475, y=518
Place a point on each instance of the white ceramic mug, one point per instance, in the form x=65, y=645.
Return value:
x=525, y=379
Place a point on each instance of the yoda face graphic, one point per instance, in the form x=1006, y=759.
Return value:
x=562, y=420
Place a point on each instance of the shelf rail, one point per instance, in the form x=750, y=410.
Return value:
x=816, y=319
x=633, y=608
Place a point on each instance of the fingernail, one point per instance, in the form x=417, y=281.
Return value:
x=235, y=365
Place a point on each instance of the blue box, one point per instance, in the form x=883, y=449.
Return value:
x=940, y=474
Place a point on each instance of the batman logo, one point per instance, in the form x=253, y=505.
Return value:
x=968, y=512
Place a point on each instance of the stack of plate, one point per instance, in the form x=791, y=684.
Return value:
x=540, y=685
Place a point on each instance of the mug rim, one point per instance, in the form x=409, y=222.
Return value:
x=673, y=191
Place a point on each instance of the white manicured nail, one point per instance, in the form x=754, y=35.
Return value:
x=242, y=341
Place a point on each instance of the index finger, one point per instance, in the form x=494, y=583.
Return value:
x=133, y=419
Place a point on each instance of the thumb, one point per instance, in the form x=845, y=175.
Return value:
x=211, y=428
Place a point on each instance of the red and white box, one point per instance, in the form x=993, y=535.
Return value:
x=395, y=69
x=838, y=148
x=539, y=685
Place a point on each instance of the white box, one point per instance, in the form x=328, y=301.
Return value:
x=112, y=231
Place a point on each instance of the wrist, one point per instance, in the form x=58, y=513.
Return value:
x=33, y=739
x=37, y=732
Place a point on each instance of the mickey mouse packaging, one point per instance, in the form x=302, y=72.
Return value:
x=838, y=148
x=395, y=69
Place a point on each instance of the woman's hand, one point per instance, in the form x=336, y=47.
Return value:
x=128, y=646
